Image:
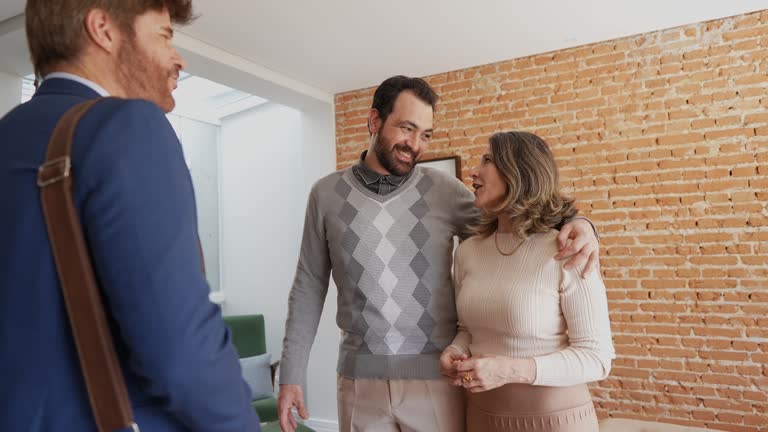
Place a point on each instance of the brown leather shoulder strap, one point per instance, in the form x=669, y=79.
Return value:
x=101, y=370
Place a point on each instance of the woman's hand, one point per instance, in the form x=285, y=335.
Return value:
x=448, y=361
x=483, y=373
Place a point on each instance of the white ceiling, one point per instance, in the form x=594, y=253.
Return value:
x=9, y=8
x=341, y=45
x=197, y=97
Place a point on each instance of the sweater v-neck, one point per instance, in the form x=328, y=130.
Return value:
x=350, y=177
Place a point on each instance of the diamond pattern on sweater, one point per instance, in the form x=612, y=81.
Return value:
x=383, y=244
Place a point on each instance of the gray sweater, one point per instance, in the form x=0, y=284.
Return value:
x=390, y=257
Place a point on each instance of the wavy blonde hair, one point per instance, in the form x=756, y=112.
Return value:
x=533, y=201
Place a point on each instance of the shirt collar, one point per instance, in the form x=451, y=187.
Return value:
x=84, y=81
x=370, y=176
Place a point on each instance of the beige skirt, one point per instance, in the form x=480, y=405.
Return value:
x=523, y=407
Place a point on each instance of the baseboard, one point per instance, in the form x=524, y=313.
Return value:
x=320, y=425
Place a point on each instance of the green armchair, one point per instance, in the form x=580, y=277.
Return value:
x=249, y=338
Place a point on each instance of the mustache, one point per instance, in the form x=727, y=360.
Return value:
x=403, y=149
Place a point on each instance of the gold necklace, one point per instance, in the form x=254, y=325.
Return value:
x=496, y=241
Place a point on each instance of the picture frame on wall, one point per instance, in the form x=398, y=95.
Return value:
x=449, y=164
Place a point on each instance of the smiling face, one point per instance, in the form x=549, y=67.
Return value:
x=490, y=188
x=400, y=141
x=517, y=186
x=148, y=63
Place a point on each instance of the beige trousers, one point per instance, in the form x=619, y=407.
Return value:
x=379, y=405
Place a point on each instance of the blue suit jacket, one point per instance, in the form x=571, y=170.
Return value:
x=134, y=196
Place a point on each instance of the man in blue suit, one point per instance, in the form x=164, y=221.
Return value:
x=134, y=197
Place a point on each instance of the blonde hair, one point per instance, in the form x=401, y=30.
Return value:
x=533, y=201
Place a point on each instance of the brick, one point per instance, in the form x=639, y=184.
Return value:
x=757, y=396
x=727, y=404
x=754, y=420
x=724, y=185
x=725, y=380
x=703, y=415
x=709, y=238
x=717, y=332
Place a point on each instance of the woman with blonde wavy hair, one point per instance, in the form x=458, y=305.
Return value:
x=531, y=333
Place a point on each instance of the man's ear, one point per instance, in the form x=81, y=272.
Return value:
x=374, y=121
x=102, y=30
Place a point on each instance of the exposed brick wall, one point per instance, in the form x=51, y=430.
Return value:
x=663, y=140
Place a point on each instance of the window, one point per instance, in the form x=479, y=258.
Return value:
x=27, y=88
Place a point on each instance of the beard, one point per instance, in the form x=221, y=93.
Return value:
x=143, y=78
x=388, y=160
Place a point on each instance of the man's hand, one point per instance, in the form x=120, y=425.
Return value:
x=577, y=239
x=448, y=360
x=290, y=395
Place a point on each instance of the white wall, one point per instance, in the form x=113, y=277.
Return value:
x=267, y=169
x=319, y=154
x=200, y=142
x=10, y=92
x=262, y=212
x=271, y=156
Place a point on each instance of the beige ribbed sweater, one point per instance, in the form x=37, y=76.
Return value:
x=527, y=305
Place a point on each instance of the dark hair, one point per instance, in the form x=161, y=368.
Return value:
x=533, y=201
x=56, y=28
x=386, y=94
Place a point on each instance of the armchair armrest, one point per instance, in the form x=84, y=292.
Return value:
x=273, y=370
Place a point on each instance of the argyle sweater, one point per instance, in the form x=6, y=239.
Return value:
x=390, y=258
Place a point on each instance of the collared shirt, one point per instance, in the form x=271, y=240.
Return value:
x=86, y=82
x=377, y=183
